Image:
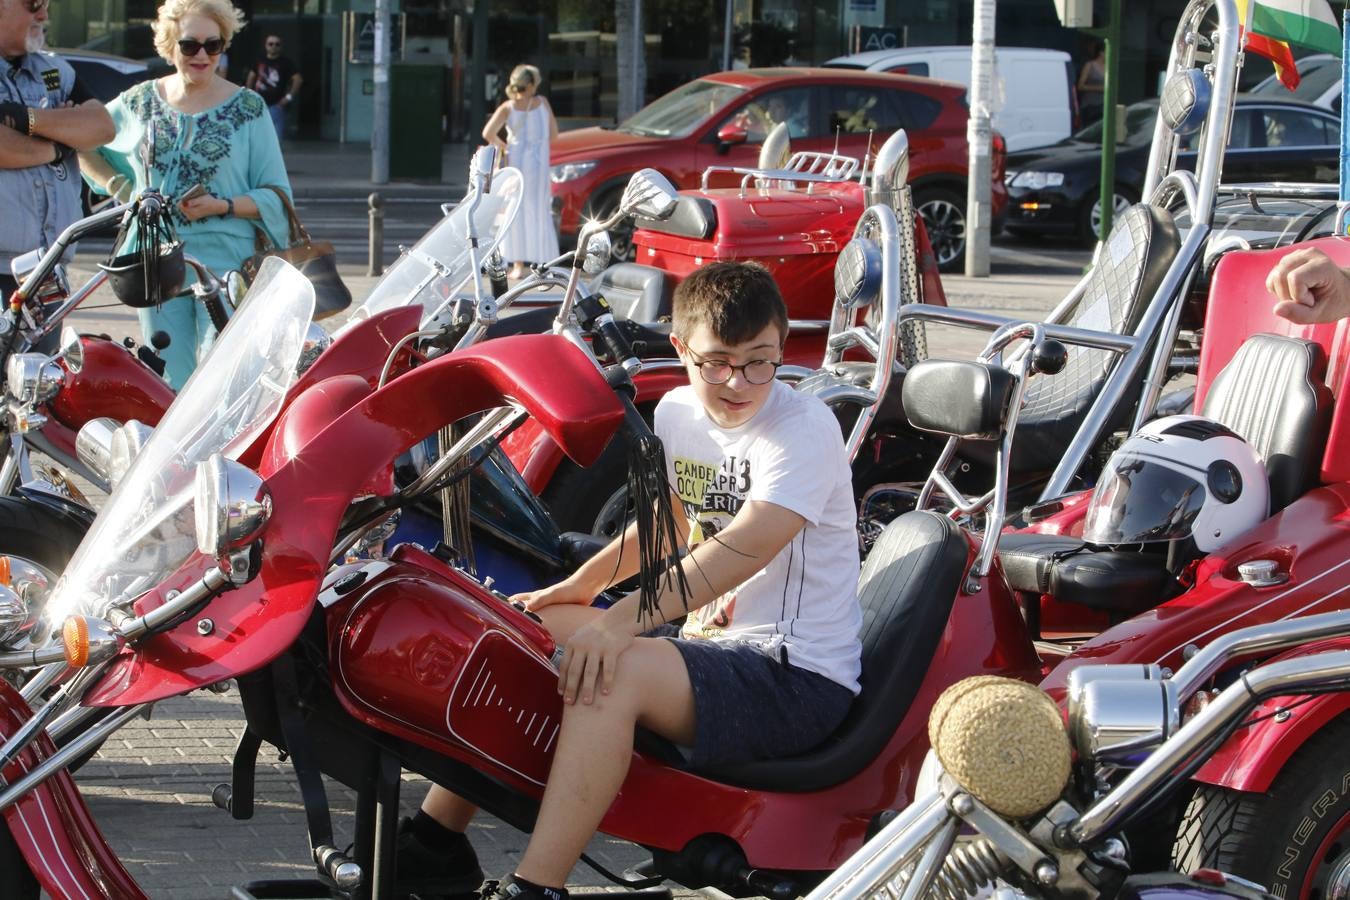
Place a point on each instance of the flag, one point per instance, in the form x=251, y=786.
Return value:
x=1309, y=23
x=1277, y=52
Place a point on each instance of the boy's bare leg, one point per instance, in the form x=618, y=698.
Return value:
x=453, y=811
x=595, y=747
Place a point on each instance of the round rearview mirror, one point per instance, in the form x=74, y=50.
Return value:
x=72, y=351
x=857, y=274
x=649, y=194
x=599, y=249
x=236, y=290
x=482, y=164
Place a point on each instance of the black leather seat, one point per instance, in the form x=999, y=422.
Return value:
x=1131, y=266
x=1271, y=393
x=635, y=292
x=906, y=590
x=694, y=217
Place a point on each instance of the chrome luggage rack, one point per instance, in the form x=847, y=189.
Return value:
x=805, y=166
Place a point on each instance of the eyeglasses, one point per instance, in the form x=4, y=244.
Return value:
x=274, y=43
x=716, y=371
x=190, y=48
x=36, y=6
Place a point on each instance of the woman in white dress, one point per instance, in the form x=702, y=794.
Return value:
x=530, y=127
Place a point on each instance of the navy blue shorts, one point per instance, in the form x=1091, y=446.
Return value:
x=749, y=705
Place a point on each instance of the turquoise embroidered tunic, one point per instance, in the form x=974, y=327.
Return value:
x=231, y=149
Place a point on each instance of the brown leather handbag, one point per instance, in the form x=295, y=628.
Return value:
x=316, y=260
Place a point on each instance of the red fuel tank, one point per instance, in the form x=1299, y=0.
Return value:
x=452, y=666
x=113, y=383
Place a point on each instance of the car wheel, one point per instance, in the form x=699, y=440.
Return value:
x=1092, y=215
x=944, y=215
x=621, y=235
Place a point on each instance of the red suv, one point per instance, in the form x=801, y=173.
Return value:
x=721, y=119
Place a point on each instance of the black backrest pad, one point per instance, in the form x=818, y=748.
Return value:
x=694, y=217
x=1271, y=394
x=906, y=590
x=1129, y=269
x=635, y=292
x=958, y=398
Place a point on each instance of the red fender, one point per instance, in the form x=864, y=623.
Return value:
x=52, y=827
x=559, y=386
x=1252, y=758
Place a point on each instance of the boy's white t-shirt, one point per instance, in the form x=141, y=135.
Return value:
x=791, y=454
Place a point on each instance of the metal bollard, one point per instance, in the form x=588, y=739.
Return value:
x=375, y=263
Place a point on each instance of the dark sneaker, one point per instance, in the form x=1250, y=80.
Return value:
x=511, y=889
x=445, y=870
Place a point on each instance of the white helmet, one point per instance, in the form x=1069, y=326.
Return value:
x=1179, y=477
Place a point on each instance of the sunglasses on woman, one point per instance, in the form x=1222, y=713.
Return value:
x=36, y=6
x=190, y=48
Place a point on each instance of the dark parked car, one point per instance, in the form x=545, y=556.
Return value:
x=105, y=75
x=721, y=120
x=1056, y=189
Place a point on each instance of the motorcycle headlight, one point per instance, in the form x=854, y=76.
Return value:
x=32, y=378
x=1036, y=181
x=231, y=505
x=570, y=171
x=124, y=447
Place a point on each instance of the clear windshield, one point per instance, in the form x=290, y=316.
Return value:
x=439, y=266
x=681, y=111
x=146, y=530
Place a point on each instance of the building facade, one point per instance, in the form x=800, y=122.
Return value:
x=573, y=42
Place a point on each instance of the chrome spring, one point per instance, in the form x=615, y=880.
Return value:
x=970, y=866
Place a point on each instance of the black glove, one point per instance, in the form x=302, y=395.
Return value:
x=14, y=115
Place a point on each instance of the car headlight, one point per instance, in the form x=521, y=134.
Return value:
x=1036, y=181
x=570, y=171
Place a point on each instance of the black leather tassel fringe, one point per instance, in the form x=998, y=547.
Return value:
x=659, y=562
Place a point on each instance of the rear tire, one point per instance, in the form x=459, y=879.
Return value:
x=621, y=235
x=1294, y=839
x=17, y=881
x=591, y=500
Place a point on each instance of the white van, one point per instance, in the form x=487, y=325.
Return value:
x=1034, y=97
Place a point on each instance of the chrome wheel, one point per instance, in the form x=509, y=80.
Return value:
x=945, y=218
x=1120, y=202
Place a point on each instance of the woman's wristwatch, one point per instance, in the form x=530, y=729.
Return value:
x=229, y=208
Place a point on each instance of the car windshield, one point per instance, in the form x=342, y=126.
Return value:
x=678, y=113
x=146, y=530
x=1139, y=119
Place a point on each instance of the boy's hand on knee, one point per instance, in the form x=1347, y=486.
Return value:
x=590, y=660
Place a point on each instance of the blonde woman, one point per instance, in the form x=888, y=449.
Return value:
x=530, y=128
x=205, y=131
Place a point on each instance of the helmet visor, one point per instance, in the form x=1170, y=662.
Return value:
x=1138, y=501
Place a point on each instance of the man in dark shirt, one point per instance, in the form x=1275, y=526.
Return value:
x=277, y=80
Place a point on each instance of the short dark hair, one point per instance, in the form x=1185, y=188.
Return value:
x=736, y=300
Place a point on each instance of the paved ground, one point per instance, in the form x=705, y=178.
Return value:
x=149, y=787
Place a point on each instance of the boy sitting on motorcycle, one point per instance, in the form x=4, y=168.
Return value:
x=767, y=661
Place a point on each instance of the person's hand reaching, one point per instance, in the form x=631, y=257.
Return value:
x=1309, y=288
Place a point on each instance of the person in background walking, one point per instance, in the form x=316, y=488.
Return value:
x=1092, y=85
x=277, y=80
x=215, y=153
x=530, y=128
